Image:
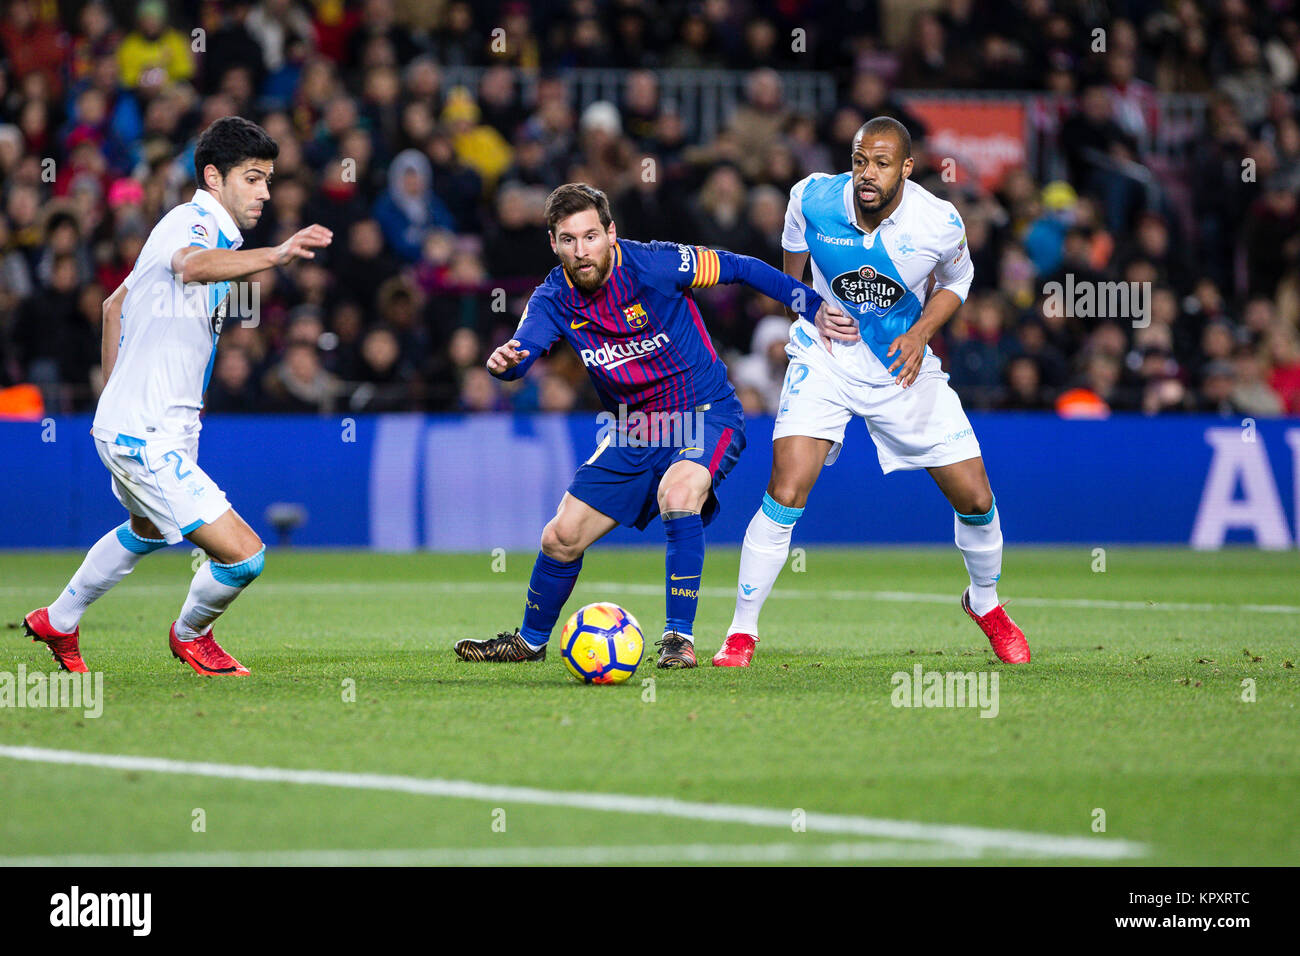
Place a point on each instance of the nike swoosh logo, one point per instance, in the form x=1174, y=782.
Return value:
x=578, y=325
x=685, y=450
x=682, y=577
x=749, y=588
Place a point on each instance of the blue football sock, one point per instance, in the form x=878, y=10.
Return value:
x=549, y=588
x=684, y=565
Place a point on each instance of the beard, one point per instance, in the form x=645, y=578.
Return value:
x=883, y=198
x=596, y=277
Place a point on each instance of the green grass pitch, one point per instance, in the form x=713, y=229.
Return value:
x=1133, y=705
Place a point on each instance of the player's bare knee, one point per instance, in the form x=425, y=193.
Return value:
x=680, y=496
x=788, y=493
x=559, y=543
x=977, y=502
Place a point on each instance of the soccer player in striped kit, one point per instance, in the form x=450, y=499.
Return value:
x=627, y=310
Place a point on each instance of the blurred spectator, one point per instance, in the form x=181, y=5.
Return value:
x=387, y=381
x=979, y=351
x=1251, y=394
x=1024, y=386
x=1284, y=350
x=720, y=219
x=458, y=186
x=1101, y=156
x=298, y=382
x=480, y=392
x=46, y=321
x=480, y=147
x=363, y=264
x=1218, y=385
x=555, y=394
x=641, y=108
x=233, y=387
x=759, y=121
x=931, y=61
x=377, y=30
x=1271, y=234
x=232, y=47
x=519, y=240
x=33, y=44
x=154, y=54
x=763, y=370
x=410, y=208
x=278, y=26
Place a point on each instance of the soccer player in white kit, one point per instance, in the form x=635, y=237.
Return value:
x=876, y=241
x=160, y=341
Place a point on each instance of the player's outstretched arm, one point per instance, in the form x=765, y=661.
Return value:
x=758, y=275
x=196, y=264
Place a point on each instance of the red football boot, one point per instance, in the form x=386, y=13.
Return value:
x=205, y=655
x=64, y=647
x=736, y=651
x=1007, y=639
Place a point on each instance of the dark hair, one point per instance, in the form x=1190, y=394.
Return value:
x=58, y=220
x=886, y=124
x=572, y=198
x=230, y=141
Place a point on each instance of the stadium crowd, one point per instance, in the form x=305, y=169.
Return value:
x=435, y=190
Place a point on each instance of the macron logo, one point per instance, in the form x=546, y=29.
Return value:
x=610, y=355
x=132, y=910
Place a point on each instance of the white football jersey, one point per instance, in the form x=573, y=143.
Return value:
x=169, y=330
x=879, y=278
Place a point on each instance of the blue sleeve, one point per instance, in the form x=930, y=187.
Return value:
x=698, y=267
x=537, y=332
x=773, y=283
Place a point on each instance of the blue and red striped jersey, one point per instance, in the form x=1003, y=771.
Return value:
x=640, y=335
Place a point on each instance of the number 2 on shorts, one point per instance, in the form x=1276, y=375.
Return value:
x=175, y=455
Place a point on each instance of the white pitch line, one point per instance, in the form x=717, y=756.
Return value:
x=528, y=856
x=975, y=838
x=347, y=588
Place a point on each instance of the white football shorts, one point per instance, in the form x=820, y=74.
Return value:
x=921, y=426
x=162, y=481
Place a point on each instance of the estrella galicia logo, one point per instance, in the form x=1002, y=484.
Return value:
x=868, y=289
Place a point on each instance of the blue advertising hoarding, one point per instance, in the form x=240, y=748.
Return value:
x=478, y=482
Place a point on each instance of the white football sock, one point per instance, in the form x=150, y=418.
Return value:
x=109, y=560
x=767, y=545
x=979, y=538
x=213, y=588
